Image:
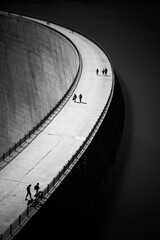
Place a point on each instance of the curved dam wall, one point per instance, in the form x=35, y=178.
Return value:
x=37, y=66
x=76, y=208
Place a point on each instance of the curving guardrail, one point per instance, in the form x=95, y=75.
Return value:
x=24, y=217
x=53, y=112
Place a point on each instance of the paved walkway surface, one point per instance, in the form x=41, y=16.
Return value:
x=46, y=155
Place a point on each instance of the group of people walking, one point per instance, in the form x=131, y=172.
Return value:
x=36, y=188
x=104, y=71
x=75, y=97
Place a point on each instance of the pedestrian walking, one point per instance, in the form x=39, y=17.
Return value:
x=97, y=71
x=80, y=97
x=74, y=97
x=36, y=187
x=28, y=192
x=106, y=70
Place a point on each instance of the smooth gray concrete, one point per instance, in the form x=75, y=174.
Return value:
x=50, y=151
x=37, y=66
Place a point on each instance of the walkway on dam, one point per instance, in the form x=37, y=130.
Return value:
x=46, y=155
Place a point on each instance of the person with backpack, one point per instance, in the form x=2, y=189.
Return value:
x=36, y=187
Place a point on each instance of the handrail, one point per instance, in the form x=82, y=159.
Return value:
x=58, y=106
x=21, y=220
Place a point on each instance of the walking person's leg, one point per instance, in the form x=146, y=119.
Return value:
x=26, y=196
x=30, y=195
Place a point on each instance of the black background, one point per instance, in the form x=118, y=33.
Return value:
x=130, y=33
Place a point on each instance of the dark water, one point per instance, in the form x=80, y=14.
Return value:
x=130, y=33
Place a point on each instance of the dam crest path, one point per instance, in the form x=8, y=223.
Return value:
x=47, y=154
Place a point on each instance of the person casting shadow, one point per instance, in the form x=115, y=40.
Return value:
x=74, y=97
x=80, y=97
x=28, y=192
x=36, y=187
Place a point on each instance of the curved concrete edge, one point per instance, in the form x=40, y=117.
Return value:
x=8, y=156
x=103, y=50
x=97, y=125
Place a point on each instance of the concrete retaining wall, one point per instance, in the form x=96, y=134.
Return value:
x=37, y=66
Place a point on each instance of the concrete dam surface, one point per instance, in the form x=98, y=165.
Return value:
x=47, y=154
x=37, y=66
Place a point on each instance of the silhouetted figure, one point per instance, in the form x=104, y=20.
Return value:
x=103, y=71
x=97, y=71
x=28, y=192
x=106, y=70
x=37, y=201
x=74, y=97
x=36, y=187
x=80, y=97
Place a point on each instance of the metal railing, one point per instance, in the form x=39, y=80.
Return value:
x=22, y=219
x=53, y=111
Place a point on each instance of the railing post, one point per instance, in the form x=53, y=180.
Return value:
x=59, y=175
x=19, y=220
x=15, y=147
x=27, y=211
x=48, y=188
x=64, y=169
x=10, y=229
x=54, y=180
